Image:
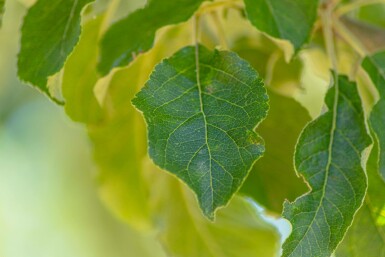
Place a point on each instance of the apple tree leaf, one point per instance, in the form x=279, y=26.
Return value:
x=50, y=31
x=366, y=236
x=135, y=34
x=284, y=19
x=201, y=108
x=328, y=156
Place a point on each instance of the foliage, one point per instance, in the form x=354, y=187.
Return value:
x=234, y=102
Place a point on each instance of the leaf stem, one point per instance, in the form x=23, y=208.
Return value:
x=349, y=38
x=327, y=27
x=220, y=31
x=196, y=29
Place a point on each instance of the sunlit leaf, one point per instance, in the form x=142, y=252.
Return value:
x=201, y=108
x=136, y=33
x=328, y=156
x=80, y=76
x=238, y=231
x=50, y=31
x=284, y=19
x=120, y=140
x=273, y=179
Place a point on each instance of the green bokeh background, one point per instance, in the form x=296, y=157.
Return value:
x=49, y=203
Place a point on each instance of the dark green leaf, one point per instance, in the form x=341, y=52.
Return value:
x=50, y=31
x=328, y=155
x=136, y=33
x=201, y=108
x=273, y=179
x=284, y=19
x=366, y=237
x=375, y=67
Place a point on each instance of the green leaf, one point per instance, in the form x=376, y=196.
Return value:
x=375, y=67
x=80, y=76
x=120, y=140
x=284, y=19
x=2, y=9
x=273, y=179
x=328, y=155
x=201, y=108
x=50, y=31
x=146, y=197
x=366, y=237
x=136, y=33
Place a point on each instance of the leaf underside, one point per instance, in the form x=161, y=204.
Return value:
x=50, y=31
x=201, y=108
x=284, y=19
x=136, y=33
x=328, y=156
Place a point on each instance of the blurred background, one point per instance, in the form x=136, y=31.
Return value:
x=49, y=203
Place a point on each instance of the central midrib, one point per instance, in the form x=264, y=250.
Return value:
x=204, y=116
x=330, y=149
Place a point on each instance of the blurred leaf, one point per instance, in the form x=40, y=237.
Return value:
x=120, y=140
x=269, y=61
x=373, y=14
x=239, y=230
x=146, y=197
x=284, y=19
x=50, y=31
x=366, y=237
x=375, y=67
x=80, y=76
x=371, y=38
x=273, y=178
x=135, y=34
x=2, y=9
x=328, y=156
x=201, y=108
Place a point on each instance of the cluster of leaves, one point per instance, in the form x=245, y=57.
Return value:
x=248, y=66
